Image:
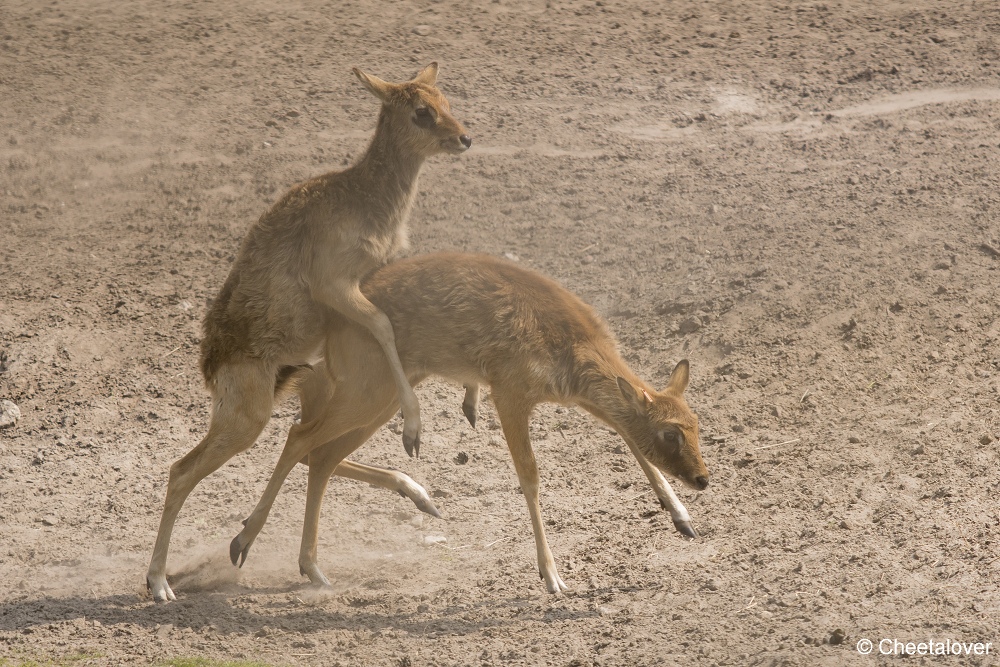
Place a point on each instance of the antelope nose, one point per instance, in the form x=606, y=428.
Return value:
x=466, y=140
x=701, y=481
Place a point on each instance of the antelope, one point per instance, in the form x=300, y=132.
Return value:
x=480, y=320
x=299, y=265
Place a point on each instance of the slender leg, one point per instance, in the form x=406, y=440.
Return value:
x=363, y=397
x=242, y=406
x=347, y=299
x=514, y=415
x=387, y=478
x=668, y=499
x=470, y=405
x=302, y=439
x=323, y=462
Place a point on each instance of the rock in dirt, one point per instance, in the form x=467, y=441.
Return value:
x=431, y=540
x=837, y=637
x=422, y=30
x=10, y=414
x=690, y=325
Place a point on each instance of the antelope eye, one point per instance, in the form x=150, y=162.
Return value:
x=423, y=117
x=671, y=438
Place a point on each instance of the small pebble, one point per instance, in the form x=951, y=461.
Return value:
x=422, y=30
x=10, y=414
x=431, y=540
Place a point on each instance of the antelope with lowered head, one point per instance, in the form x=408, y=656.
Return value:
x=480, y=320
x=299, y=264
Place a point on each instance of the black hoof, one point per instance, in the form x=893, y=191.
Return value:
x=685, y=528
x=236, y=554
x=470, y=413
x=411, y=445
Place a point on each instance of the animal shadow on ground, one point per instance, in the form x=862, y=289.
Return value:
x=216, y=611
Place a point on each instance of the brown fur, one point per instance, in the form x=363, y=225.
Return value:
x=299, y=264
x=480, y=320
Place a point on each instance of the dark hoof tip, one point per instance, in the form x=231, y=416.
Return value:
x=470, y=413
x=236, y=554
x=686, y=529
x=411, y=445
x=234, y=550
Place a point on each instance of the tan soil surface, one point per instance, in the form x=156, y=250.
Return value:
x=800, y=198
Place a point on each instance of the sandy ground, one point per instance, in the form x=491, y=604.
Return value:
x=799, y=198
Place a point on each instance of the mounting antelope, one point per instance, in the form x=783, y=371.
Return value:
x=479, y=320
x=299, y=265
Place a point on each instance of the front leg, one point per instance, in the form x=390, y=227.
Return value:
x=347, y=299
x=470, y=404
x=514, y=415
x=668, y=499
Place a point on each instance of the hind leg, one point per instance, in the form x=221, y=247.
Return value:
x=364, y=397
x=242, y=401
x=390, y=479
x=323, y=462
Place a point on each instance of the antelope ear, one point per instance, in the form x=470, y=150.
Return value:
x=375, y=85
x=679, y=377
x=638, y=398
x=427, y=75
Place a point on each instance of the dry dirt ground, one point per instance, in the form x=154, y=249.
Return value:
x=800, y=198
